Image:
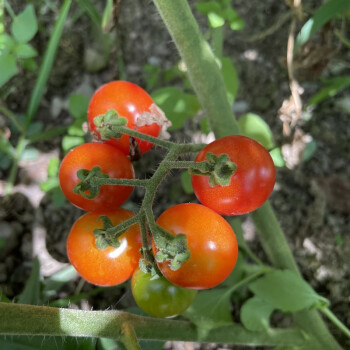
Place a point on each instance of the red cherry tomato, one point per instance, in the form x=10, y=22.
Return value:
x=130, y=101
x=250, y=185
x=158, y=297
x=211, y=241
x=111, y=161
x=109, y=266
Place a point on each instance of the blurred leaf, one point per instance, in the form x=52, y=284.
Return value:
x=210, y=309
x=253, y=126
x=205, y=127
x=255, y=314
x=5, y=161
x=78, y=105
x=234, y=20
x=309, y=151
x=177, y=105
x=207, y=7
x=109, y=344
x=57, y=280
x=24, y=26
x=8, y=68
x=29, y=64
x=31, y=292
x=6, y=43
x=229, y=74
x=3, y=297
x=76, y=128
x=49, y=184
x=107, y=15
x=325, y=13
x=286, y=291
x=57, y=197
x=186, y=182
x=333, y=87
x=69, y=142
x=48, y=134
x=53, y=167
x=215, y=20
x=23, y=50
x=237, y=273
x=34, y=128
x=277, y=157
x=47, y=62
x=90, y=9
x=30, y=153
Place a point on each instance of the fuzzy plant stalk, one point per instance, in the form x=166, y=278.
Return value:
x=207, y=81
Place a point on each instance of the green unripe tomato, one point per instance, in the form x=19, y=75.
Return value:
x=159, y=297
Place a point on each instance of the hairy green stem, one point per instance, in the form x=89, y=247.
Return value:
x=202, y=69
x=43, y=320
x=208, y=83
x=128, y=337
x=125, y=182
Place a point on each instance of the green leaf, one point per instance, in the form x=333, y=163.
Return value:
x=53, y=167
x=205, y=127
x=211, y=309
x=325, y=13
x=47, y=63
x=29, y=64
x=255, y=127
x=215, y=19
x=48, y=134
x=207, y=7
x=309, y=151
x=30, y=153
x=34, y=128
x=78, y=105
x=255, y=314
x=177, y=105
x=76, y=128
x=31, y=292
x=6, y=43
x=229, y=74
x=277, y=157
x=333, y=87
x=286, y=291
x=107, y=15
x=186, y=182
x=23, y=50
x=69, y=142
x=49, y=184
x=25, y=26
x=2, y=246
x=232, y=17
x=8, y=68
x=5, y=161
x=57, y=280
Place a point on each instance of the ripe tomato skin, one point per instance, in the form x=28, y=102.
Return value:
x=130, y=101
x=250, y=185
x=111, y=161
x=211, y=241
x=159, y=297
x=110, y=266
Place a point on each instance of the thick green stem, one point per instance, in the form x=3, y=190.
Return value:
x=202, y=69
x=43, y=320
x=207, y=81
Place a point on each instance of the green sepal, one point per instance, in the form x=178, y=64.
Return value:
x=101, y=243
x=86, y=176
x=171, y=248
x=108, y=123
x=220, y=169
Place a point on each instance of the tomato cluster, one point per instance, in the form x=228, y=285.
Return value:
x=104, y=259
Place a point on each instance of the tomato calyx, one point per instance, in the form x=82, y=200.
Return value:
x=87, y=183
x=107, y=124
x=170, y=248
x=103, y=237
x=218, y=168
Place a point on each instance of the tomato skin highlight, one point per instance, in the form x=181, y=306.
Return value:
x=130, y=101
x=111, y=161
x=159, y=297
x=104, y=267
x=250, y=185
x=211, y=241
